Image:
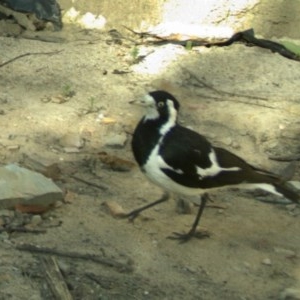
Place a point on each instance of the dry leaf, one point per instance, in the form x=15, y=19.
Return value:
x=32, y=208
x=115, y=163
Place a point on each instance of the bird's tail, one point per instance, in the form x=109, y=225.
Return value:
x=274, y=184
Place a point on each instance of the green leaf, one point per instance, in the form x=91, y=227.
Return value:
x=189, y=45
x=291, y=46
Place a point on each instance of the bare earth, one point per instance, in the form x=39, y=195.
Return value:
x=253, y=251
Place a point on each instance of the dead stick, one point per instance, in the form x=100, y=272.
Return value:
x=101, y=187
x=285, y=158
x=29, y=53
x=122, y=267
x=55, y=279
x=22, y=229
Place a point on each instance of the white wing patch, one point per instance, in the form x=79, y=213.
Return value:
x=215, y=168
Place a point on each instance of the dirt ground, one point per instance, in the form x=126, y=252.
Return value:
x=82, y=90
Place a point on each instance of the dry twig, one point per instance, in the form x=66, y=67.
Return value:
x=22, y=229
x=121, y=267
x=29, y=53
x=101, y=187
x=285, y=158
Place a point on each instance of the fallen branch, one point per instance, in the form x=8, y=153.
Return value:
x=246, y=37
x=55, y=279
x=121, y=267
x=29, y=53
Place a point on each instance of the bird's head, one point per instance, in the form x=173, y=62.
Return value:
x=159, y=104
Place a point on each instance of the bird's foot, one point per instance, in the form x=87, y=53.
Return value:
x=131, y=215
x=184, y=237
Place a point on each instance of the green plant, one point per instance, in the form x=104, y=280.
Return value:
x=67, y=90
x=135, y=53
x=92, y=103
x=291, y=46
x=189, y=45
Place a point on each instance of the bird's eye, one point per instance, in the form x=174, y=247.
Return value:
x=160, y=104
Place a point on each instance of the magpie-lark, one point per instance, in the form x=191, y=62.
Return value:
x=182, y=161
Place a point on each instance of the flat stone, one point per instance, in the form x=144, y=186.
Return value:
x=71, y=140
x=286, y=252
x=36, y=219
x=116, y=140
x=22, y=186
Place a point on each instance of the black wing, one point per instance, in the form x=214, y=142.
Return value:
x=186, y=151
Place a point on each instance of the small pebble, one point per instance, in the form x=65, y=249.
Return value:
x=226, y=141
x=267, y=262
x=36, y=219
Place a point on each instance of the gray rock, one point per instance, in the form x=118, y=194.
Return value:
x=116, y=140
x=267, y=261
x=6, y=213
x=22, y=186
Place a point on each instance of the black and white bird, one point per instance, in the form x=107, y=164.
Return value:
x=184, y=162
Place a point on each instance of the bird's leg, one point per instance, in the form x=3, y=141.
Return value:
x=184, y=237
x=133, y=214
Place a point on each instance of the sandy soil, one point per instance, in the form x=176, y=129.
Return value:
x=253, y=251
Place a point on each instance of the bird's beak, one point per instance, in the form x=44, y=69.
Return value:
x=133, y=102
x=140, y=102
x=146, y=101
